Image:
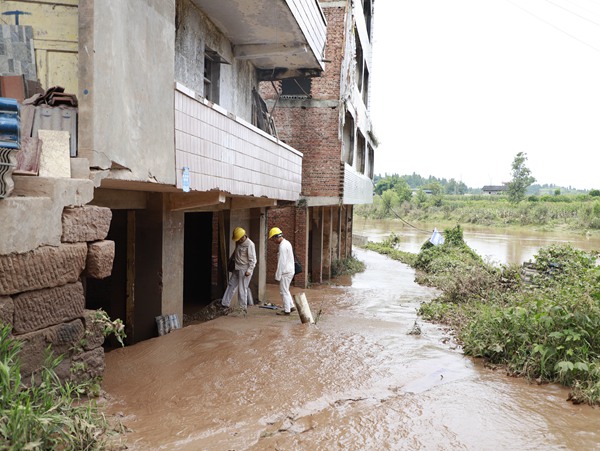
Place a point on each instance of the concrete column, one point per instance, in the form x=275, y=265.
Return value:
x=148, y=268
x=316, y=233
x=172, y=258
x=261, y=255
x=327, y=244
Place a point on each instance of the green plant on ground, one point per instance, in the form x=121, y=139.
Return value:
x=46, y=413
x=110, y=327
x=347, y=266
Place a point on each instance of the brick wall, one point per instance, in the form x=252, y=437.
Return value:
x=292, y=222
x=314, y=132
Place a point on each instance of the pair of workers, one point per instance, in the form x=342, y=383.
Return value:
x=244, y=257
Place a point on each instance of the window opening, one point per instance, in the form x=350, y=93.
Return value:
x=296, y=88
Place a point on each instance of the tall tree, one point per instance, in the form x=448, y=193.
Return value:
x=521, y=179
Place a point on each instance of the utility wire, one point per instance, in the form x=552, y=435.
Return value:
x=553, y=26
x=594, y=13
x=572, y=12
x=398, y=216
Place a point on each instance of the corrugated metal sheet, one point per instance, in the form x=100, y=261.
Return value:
x=9, y=143
x=57, y=118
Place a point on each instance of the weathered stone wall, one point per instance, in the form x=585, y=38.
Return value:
x=42, y=294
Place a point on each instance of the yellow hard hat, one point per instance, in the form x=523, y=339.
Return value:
x=238, y=233
x=274, y=231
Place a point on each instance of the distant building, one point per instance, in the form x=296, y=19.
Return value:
x=494, y=189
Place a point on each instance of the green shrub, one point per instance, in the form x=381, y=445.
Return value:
x=347, y=266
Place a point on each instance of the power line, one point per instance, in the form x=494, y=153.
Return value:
x=574, y=13
x=553, y=26
x=388, y=205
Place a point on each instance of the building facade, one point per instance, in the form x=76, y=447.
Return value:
x=327, y=119
x=173, y=144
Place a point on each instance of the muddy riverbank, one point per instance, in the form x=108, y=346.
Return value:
x=356, y=380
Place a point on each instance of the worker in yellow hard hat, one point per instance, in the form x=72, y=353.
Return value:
x=285, y=269
x=241, y=265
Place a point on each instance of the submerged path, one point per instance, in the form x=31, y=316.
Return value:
x=358, y=380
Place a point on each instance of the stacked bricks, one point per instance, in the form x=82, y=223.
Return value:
x=42, y=296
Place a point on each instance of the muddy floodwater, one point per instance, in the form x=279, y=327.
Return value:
x=357, y=380
x=495, y=245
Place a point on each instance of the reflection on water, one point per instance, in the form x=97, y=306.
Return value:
x=356, y=381
x=496, y=245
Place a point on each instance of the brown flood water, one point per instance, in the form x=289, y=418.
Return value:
x=355, y=381
x=495, y=245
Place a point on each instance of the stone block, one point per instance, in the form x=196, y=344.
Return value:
x=7, y=310
x=88, y=365
x=32, y=216
x=55, y=155
x=100, y=258
x=45, y=267
x=61, y=339
x=38, y=309
x=88, y=223
x=94, y=335
x=27, y=223
x=80, y=168
x=63, y=191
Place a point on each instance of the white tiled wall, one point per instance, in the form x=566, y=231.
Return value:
x=228, y=154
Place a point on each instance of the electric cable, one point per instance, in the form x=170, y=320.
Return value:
x=553, y=26
x=389, y=207
x=572, y=12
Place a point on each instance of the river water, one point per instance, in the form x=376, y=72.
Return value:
x=495, y=245
x=357, y=380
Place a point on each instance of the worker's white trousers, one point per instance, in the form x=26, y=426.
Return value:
x=244, y=294
x=284, y=290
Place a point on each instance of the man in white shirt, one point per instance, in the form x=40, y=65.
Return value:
x=285, y=269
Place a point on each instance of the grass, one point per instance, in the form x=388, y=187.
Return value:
x=346, y=266
x=45, y=412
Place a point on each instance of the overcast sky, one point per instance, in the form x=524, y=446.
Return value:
x=460, y=87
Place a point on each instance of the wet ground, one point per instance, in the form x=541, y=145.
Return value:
x=357, y=380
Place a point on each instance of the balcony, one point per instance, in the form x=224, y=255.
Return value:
x=358, y=188
x=282, y=38
x=225, y=154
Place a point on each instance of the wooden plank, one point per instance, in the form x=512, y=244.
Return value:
x=192, y=201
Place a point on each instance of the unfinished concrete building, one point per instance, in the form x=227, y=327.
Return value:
x=327, y=119
x=174, y=149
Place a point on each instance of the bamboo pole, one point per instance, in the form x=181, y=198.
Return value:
x=303, y=308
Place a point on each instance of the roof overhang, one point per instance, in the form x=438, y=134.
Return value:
x=282, y=38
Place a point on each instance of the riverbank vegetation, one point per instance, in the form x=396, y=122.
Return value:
x=577, y=212
x=542, y=323
x=416, y=199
